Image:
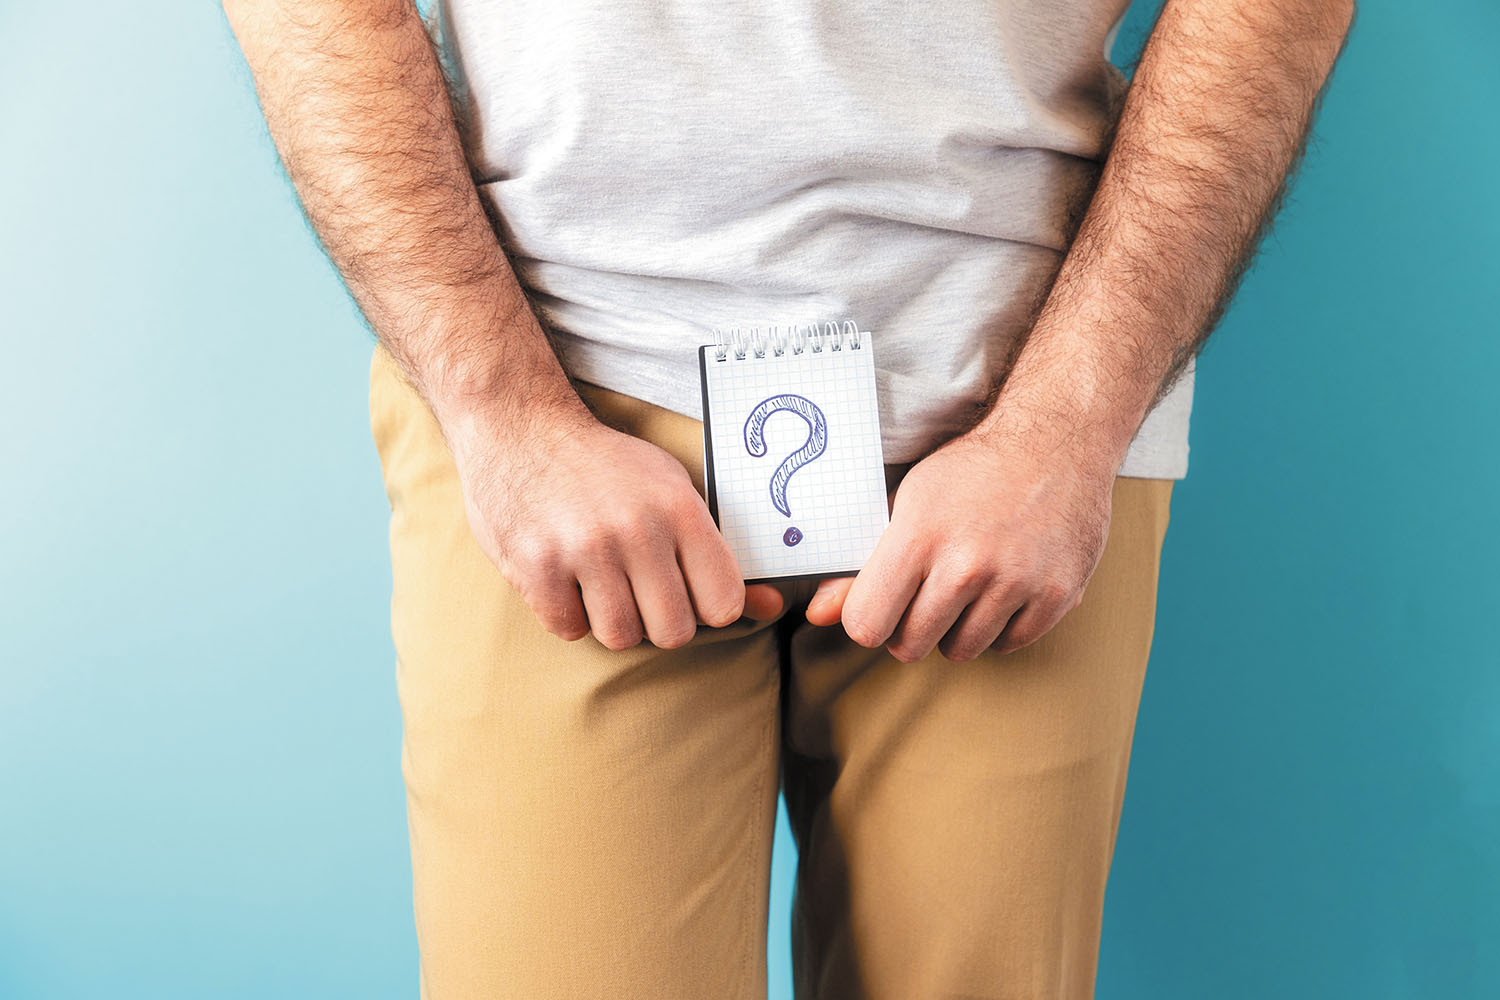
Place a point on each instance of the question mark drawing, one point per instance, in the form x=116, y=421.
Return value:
x=817, y=441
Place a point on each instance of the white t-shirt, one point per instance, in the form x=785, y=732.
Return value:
x=662, y=167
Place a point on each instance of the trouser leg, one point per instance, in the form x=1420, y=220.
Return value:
x=584, y=822
x=955, y=821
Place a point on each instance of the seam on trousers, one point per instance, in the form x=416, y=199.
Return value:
x=750, y=856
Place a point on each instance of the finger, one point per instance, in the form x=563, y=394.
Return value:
x=931, y=613
x=979, y=626
x=558, y=605
x=762, y=602
x=613, y=616
x=827, y=602
x=661, y=598
x=714, y=583
x=881, y=592
x=1028, y=625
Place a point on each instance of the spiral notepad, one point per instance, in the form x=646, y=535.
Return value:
x=791, y=448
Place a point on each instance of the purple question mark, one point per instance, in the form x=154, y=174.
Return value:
x=817, y=441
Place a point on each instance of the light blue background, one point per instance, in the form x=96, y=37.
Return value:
x=199, y=772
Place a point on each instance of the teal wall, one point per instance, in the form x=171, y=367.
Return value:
x=199, y=759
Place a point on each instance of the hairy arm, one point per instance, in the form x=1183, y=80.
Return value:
x=1215, y=118
x=1211, y=125
x=358, y=109
x=599, y=531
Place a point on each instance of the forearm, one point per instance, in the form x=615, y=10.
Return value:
x=357, y=107
x=1214, y=119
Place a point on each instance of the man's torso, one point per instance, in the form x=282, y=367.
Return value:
x=662, y=168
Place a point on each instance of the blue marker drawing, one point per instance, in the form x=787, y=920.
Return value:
x=817, y=442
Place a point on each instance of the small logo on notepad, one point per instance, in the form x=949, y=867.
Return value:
x=817, y=443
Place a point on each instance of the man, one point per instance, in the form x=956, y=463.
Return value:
x=597, y=709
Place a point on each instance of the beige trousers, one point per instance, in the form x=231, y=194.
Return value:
x=596, y=824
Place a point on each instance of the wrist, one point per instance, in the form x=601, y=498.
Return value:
x=537, y=421
x=1067, y=413
x=1025, y=435
x=501, y=386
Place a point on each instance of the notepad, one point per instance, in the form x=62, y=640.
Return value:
x=791, y=448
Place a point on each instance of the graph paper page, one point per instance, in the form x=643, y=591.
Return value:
x=834, y=497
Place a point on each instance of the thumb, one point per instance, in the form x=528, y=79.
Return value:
x=827, y=604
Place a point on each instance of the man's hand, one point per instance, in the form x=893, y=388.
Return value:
x=596, y=528
x=991, y=542
x=601, y=531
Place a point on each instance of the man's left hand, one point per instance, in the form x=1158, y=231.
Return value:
x=991, y=540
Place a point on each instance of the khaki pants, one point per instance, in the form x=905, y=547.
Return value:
x=589, y=823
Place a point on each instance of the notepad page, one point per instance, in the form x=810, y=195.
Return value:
x=837, y=499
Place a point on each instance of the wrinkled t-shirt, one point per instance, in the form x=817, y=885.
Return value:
x=662, y=168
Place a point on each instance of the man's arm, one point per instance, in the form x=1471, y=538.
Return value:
x=1216, y=115
x=622, y=545
x=1213, y=121
x=357, y=107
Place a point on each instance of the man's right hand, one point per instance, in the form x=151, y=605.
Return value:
x=597, y=529
x=601, y=531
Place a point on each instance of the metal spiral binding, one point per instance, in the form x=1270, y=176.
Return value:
x=811, y=338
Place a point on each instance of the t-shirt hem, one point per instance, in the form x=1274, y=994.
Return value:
x=1159, y=450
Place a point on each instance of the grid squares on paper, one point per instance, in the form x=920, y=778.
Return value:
x=837, y=500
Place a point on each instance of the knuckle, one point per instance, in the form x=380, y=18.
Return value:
x=647, y=531
x=719, y=597
x=1013, y=587
x=957, y=650
x=1056, y=594
x=591, y=539
x=674, y=637
x=532, y=586
x=970, y=571
x=531, y=555
x=1021, y=639
x=861, y=631
x=560, y=620
x=905, y=652
x=618, y=640
x=682, y=508
x=723, y=615
x=565, y=627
